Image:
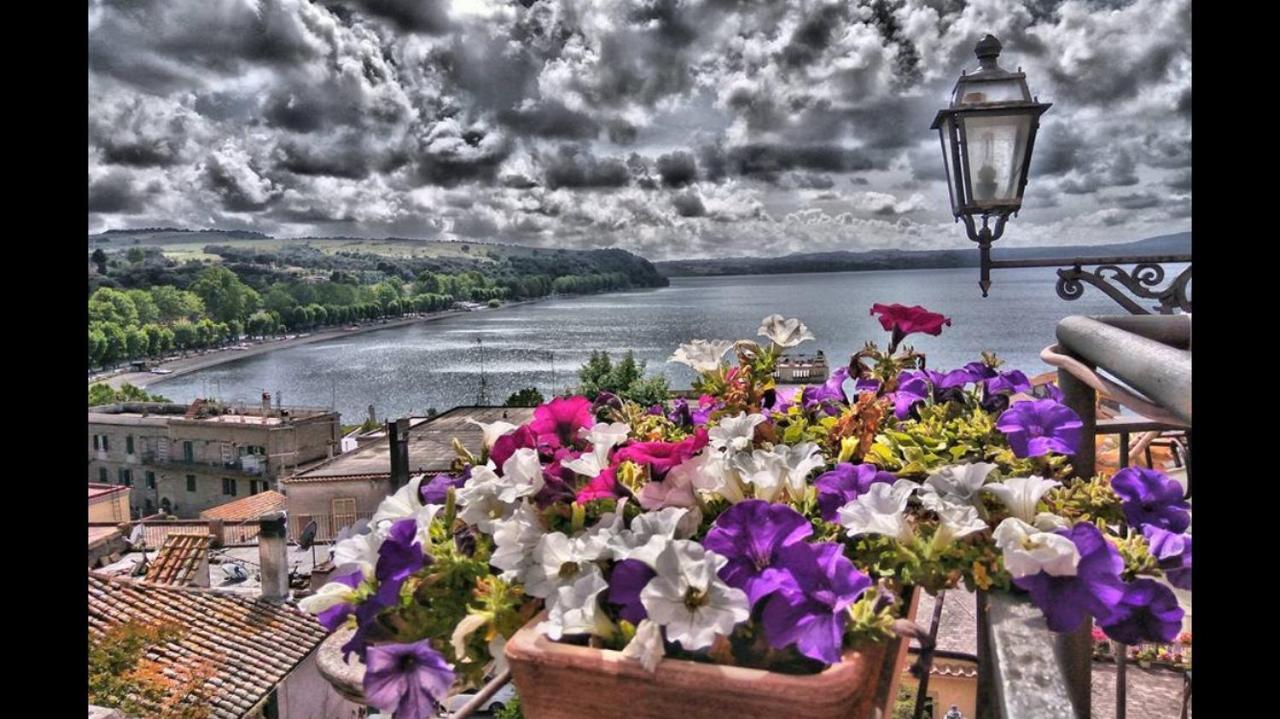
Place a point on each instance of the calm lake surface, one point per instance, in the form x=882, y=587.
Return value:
x=438, y=364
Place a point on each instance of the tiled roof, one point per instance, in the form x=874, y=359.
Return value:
x=179, y=559
x=251, y=507
x=102, y=535
x=248, y=645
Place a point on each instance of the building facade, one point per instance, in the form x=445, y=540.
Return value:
x=184, y=459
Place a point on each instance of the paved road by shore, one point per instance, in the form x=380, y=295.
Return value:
x=212, y=358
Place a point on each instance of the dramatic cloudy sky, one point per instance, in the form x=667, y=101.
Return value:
x=675, y=128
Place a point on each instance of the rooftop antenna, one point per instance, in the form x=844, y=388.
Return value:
x=482, y=397
x=308, y=540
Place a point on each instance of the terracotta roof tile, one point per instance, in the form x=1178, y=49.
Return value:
x=248, y=644
x=251, y=507
x=180, y=559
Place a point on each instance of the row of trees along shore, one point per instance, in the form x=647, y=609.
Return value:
x=219, y=308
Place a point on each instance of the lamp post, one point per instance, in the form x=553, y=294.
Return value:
x=988, y=132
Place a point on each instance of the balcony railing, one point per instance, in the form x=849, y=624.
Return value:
x=1024, y=669
x=327, y=525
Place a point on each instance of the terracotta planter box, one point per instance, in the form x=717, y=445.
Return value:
x=564, y=681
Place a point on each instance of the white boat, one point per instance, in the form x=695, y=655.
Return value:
x=157, y=370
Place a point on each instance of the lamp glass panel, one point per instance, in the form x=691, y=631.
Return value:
x=995, y=147
x=946, y=130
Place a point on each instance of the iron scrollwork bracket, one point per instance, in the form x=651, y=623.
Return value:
x=1143, y=283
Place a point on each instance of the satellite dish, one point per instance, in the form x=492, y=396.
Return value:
x=308, y=537
x=137, y=536
x=235, y=572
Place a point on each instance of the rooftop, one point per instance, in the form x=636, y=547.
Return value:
x=219, y=580
x=163, y=413
x=180, y=559
x=100, y=535
x=430, y=445
x=246, y=508
x=248, y=646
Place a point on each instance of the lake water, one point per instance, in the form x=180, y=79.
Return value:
x=438, y=364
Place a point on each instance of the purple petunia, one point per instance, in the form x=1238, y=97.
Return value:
x=1148, y=612
x=1095, y=589
x=1037, y=427
x=400, y=554
x=846, y=483
x=628, y=578
x=437, y=490
x=750, y=534
x=811, y=613
x=408, y=680
x=913, y=387
x=1151, y=497
x=1010, y=382
x=1172, y=552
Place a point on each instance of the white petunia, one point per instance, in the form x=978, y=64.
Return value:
x=574, y=608
x=404, y=503
x=1020, y=495
x=327, y=597
x=734, y=434
x=604, y=436
x=800, y=460
x=957, y=483
x=559, y=560
x=522, y=475
x=360, y=550
x=881, y=510
x=784, y=332
x=676, y=489
x=1050, y=522
x=956, y=522
x=587, y=465
x=487, y=498
x=1028, y=550
x=765, y=470
x=649, y=535
x=689, y=600
x=702, y=355
x=513, y=541
x=493, y=430
x=646, y=646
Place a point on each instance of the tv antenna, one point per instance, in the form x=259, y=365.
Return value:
x=308, y=540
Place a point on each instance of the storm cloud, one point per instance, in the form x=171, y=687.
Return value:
x=673, y=128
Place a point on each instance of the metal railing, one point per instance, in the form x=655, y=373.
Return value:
x=1024, y=669
x=327, y=525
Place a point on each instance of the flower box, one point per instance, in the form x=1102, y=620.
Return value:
x=565, y=681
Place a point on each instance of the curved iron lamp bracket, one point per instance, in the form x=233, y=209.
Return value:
x=1142, y=283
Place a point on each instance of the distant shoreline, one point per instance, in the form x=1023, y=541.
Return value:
x=213, y=358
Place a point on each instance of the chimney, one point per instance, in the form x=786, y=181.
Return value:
x=272, y=558
x=398, y=434
x=266, y=404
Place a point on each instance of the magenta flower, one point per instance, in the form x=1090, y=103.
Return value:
x=750, y=534
x=660, y=457
x=844, y=484
x=1173, y=553
x=1038, y=427
x=1095, y=589
x=603, y=486
x=408, y=680
x=811, y=612
x=903, y=321
x=1148, y=612
x=1151, y=497
x=561, y=418
x=628, y=578
x=503, y=447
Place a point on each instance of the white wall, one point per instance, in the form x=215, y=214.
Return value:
x=304, y=694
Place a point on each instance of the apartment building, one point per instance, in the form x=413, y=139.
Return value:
x=187, y=458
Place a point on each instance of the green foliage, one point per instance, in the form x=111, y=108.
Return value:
x=510, y=711
x=527, y=397
x=1086, y=501
x=625, y=379
x=101, y=393
x=225, y=296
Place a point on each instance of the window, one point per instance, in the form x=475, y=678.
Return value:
x=97, y=444
x=191, y=483
x=151, y=508
x=105, y=448
x=126, y=478
x=128, y=444
x=344, y=512
x=104, y=477
x=151, y=480
x=188, y=452
x=228, y=486
x=253, y=486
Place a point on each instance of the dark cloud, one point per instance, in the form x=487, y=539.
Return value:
x=1180, y=181
x=677, y=169
x=424, y=16
x=115, y=193
x=573, y=166
x=688, y=204
x=1137, y=200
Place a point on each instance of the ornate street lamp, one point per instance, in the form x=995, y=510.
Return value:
x=988, y=132
x=987, y=135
